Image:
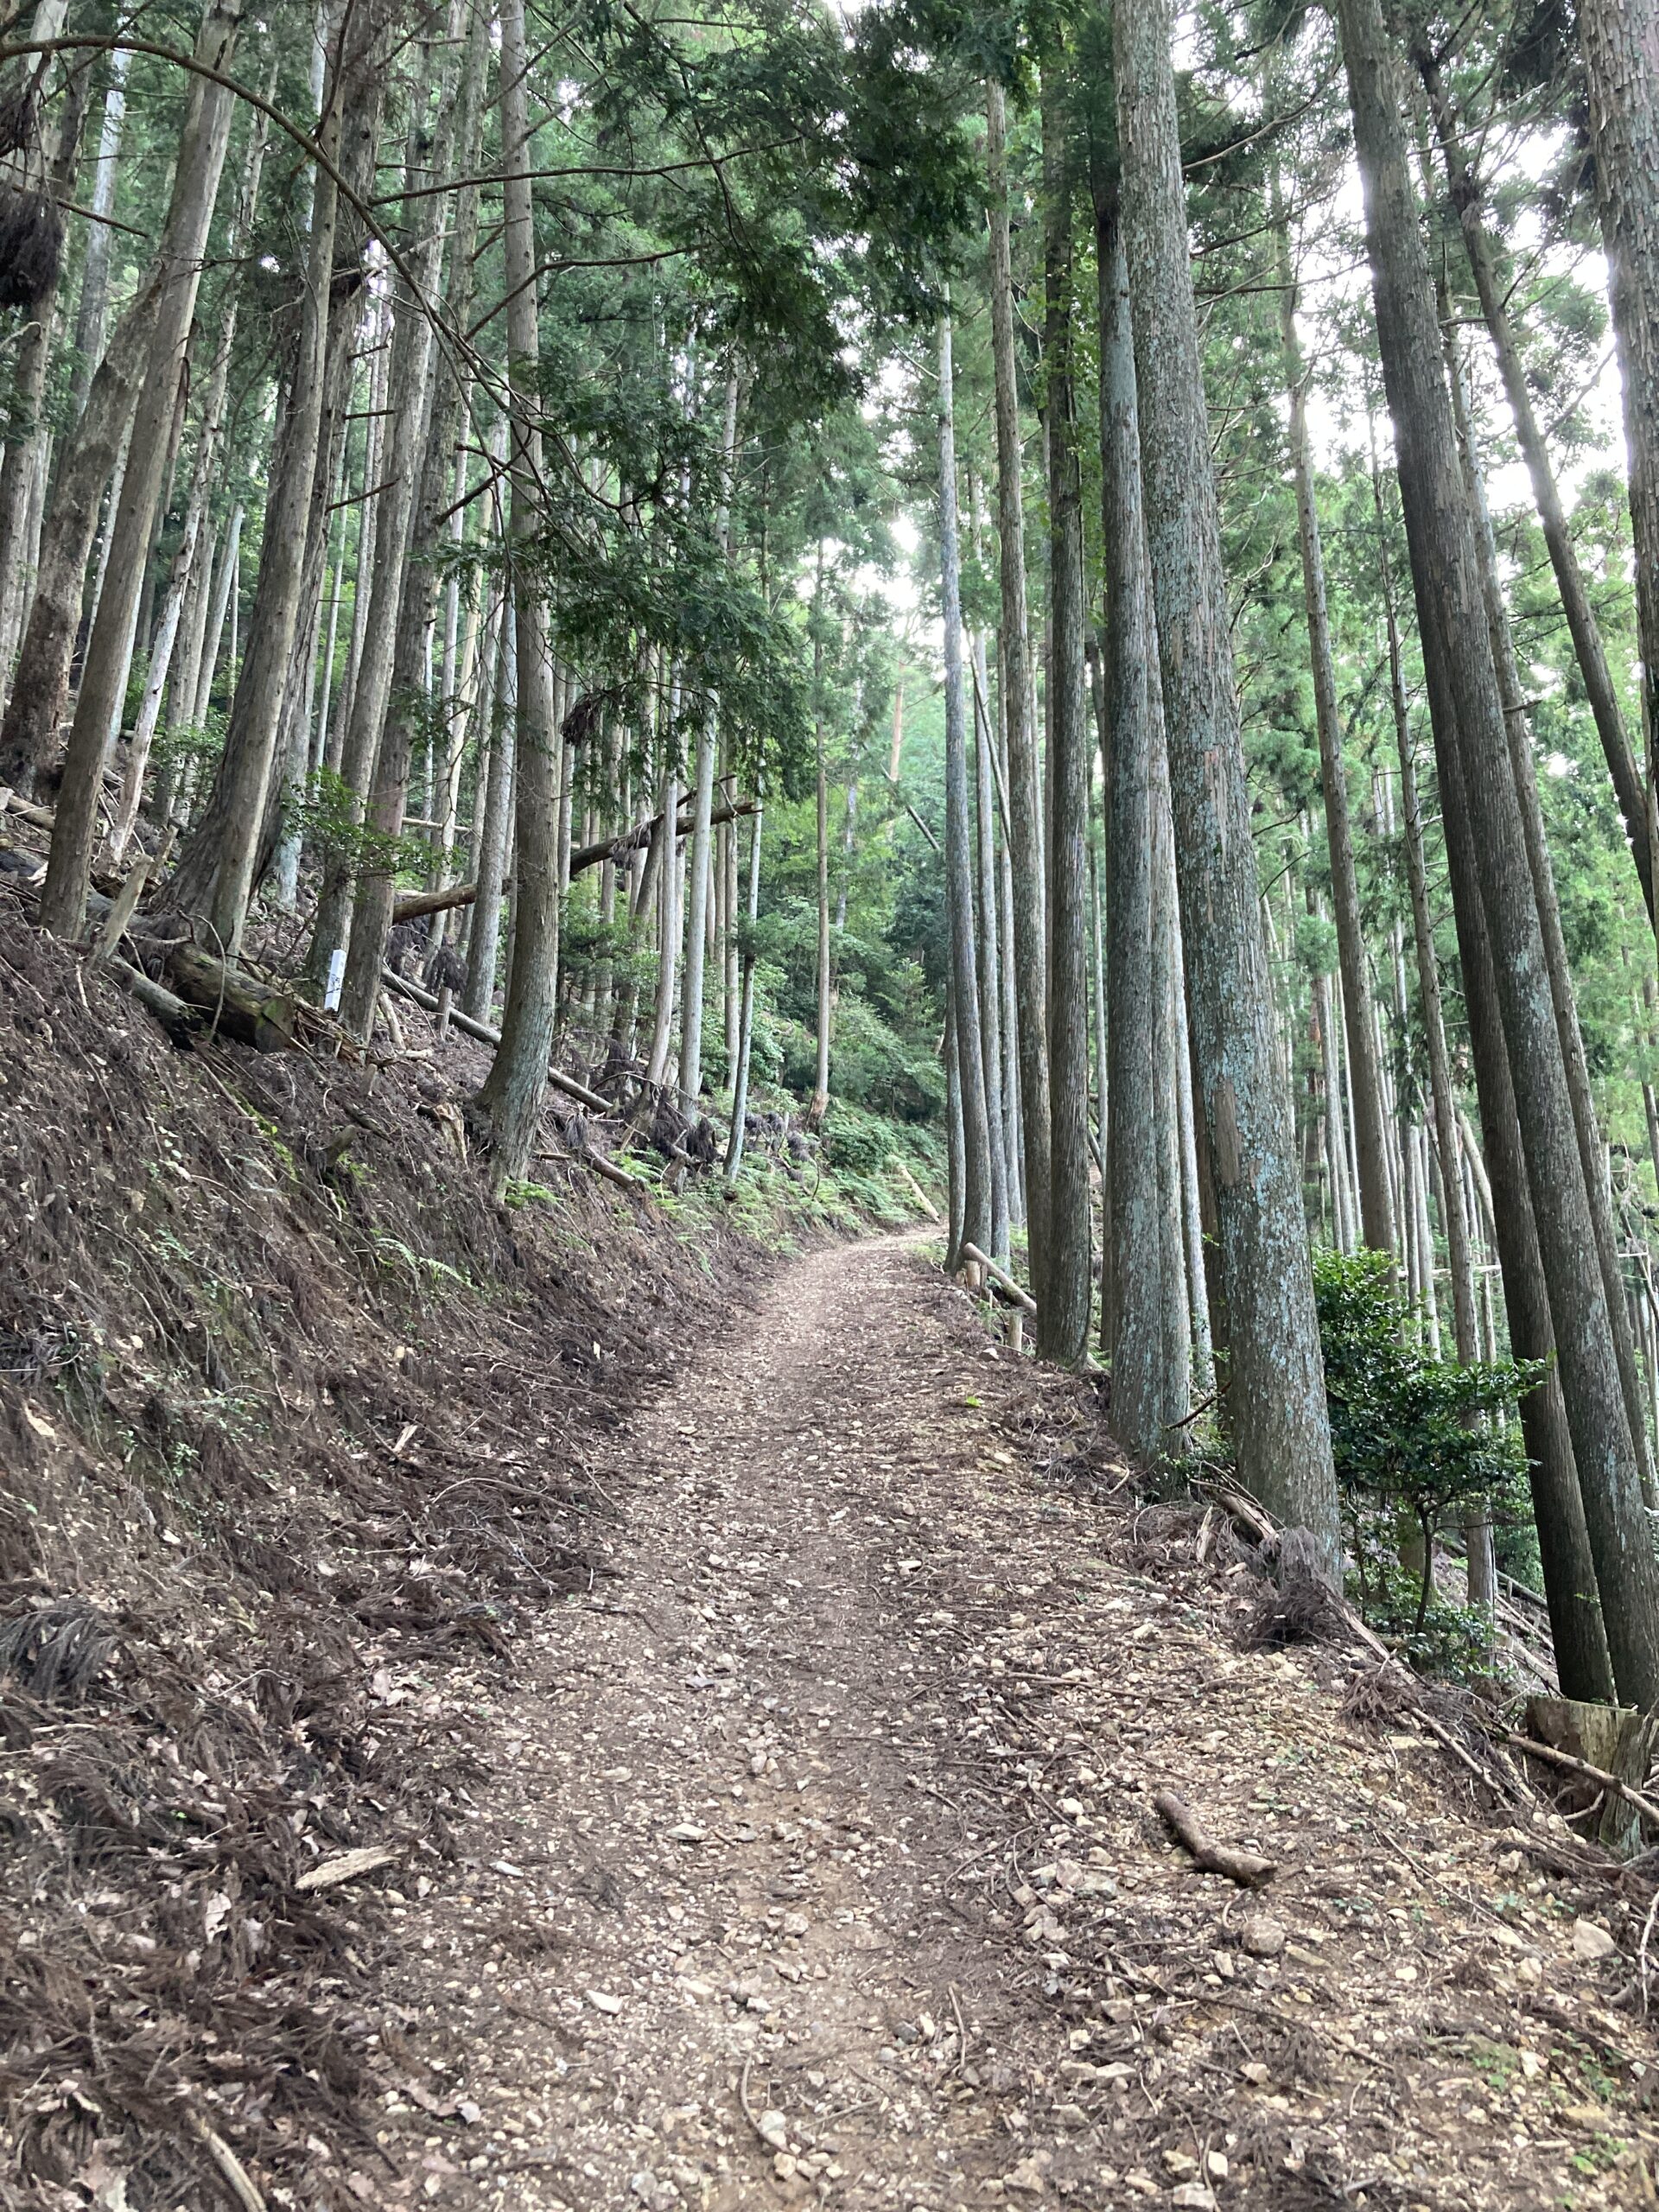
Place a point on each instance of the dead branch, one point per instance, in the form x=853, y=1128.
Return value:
x=416, y=903
x=1002, y=1281
x=1648, y=1806
x=486, y=1035
x=182, y=1023
x=1210, y=1857
x=346, y=1866
x=235, y=2174
x=600, y=1165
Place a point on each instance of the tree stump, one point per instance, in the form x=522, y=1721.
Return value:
x=1617, y=1738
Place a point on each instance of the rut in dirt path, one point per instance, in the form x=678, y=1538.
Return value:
x=818, y=1865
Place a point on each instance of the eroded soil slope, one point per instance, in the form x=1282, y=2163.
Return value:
x=297, y=1432
x=819, y=1861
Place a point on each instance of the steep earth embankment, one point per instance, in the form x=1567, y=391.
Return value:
x=299, y=1432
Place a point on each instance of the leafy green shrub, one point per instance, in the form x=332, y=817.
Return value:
x=855, y=1141
x=1414, y=1438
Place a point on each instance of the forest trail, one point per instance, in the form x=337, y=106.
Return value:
x=818, y=1862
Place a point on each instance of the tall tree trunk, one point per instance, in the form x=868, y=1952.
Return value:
x=408, y=397
x=1581, y=622
x=968, y=1057
x=217, y=870
x=1013, y=1137
x=1517, y=729
x=1471, y=741
x=187, y=560
x=226, y=586
x=1276, y=1390
x=664, y=851
x=1169, y=1041
x=495, y=808
x=1620, y=42
x=209, y=108
x=702, y=808
x=28, y=435
x=988, y=949
x=1443, y=1094
x=819, y=1103
x=1577, y=1628
x=1478, y=1530
x=1026, y=951
x=1377, y=1210
x=735, y=1141
x=1142, y=1406
x=93, y=304
x=1063, y=1313
x=511, y=1096
x=42, y=683
x=409, y=701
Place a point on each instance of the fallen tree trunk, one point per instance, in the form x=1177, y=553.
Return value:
x=916, y=1189
x=1001, y=1280
x=583, y=1157
x=486, y=1035
x=38, y=817
x=182, y=1023
x=235, y=1004
x=410, y=907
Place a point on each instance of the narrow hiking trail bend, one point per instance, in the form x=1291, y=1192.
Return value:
x=818, y=1861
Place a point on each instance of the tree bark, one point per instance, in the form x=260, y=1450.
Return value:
x=95, y=268
x=1581, y=623
x=1142, y=1399
x=408, y=700
x=703, y=811
x=28, y=435
x=1275, y=1391
x=1370, y=1146
x=735, y=1141
x=409, y=395
x=41, y=683
x=974, y=1226
x=218, y=867
x=209, y=108
x=187, y=559
x=1577, y=1628
x=1620, y=43
x=1470, y=739
x=1517, y=729
x=495, y=805
x=1064, y=1312
x=1026, y=950
x=511, y=1096
x=819, y=1103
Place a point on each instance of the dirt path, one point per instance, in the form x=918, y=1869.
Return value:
x=818, y=1860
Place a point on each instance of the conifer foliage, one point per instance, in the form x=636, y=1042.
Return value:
x=1071, y=592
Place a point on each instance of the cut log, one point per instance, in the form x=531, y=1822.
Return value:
x=1001, y=1280
x=237, y=1004
x=182, y=1023
x=607, y=1168
x=414, y=904
x=486, y=1035
x=38, y=817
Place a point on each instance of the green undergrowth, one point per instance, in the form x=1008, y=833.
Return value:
x=854, y=1177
